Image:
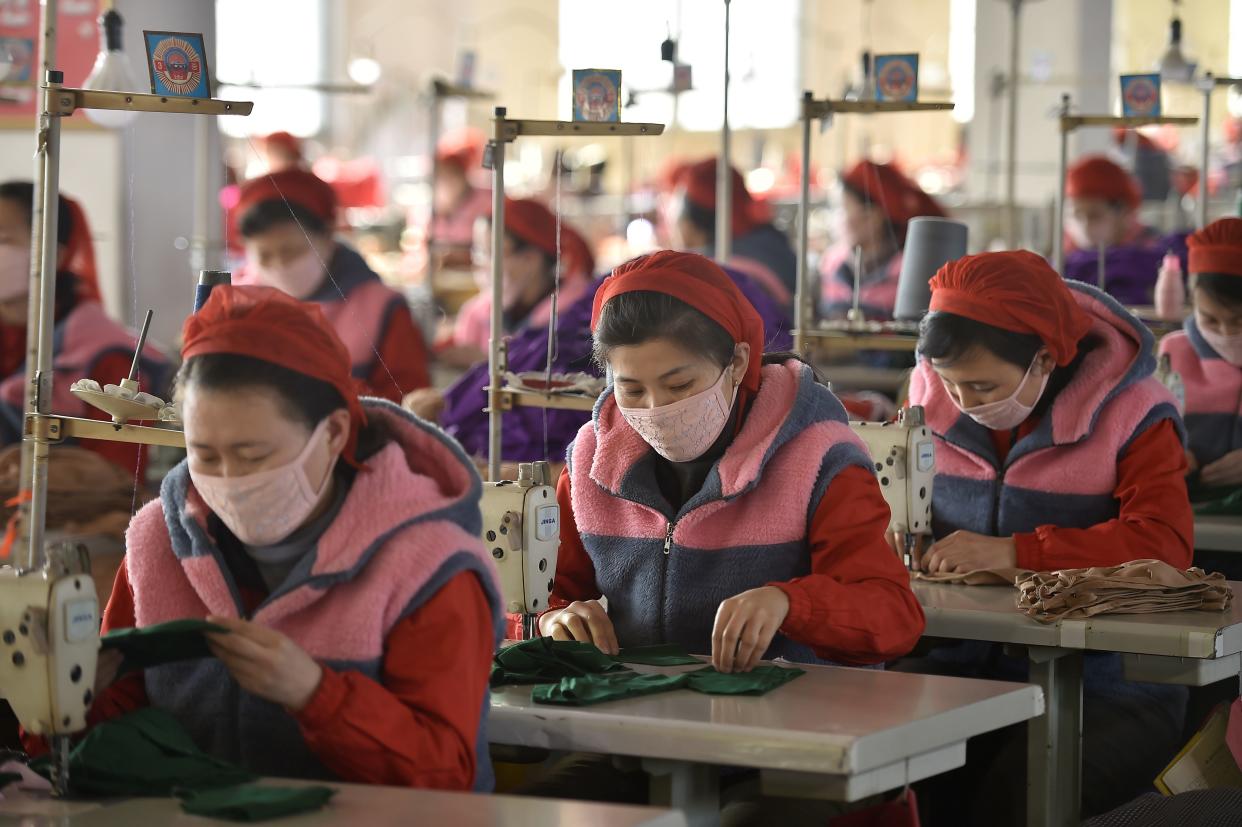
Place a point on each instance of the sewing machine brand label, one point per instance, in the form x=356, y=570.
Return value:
x=548, y=526
x=81, y=620
x=1140, y=96
x=926, y=455
x=177, y=64
x=597, y=95
x=897, y=77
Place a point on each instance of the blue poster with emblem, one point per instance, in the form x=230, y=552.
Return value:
x=177, y=64
x=1140, y=96
x=597, y=95
x=897, y=78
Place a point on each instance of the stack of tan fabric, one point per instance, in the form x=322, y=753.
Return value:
x=1137, y=587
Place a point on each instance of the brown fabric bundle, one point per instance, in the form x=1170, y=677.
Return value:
x=86, y=494
x=978, y=577
x=1137, y=587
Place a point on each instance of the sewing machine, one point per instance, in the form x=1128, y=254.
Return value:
x=49, y=642
x=905, y=464
x=522, y=530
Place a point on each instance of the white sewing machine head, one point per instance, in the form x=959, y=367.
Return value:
x=905, y=464
x=522, y=530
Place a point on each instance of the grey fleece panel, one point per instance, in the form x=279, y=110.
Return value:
x=965, y=504
x=1212, y=435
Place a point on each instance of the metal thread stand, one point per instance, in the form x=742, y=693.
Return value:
x=724, y=167
x=505, y=131
x=1207, y=86
x=1069, y=123
x=813, y=110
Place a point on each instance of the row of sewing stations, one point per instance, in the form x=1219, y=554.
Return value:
x=836, y=734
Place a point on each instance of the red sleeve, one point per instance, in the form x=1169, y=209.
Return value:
x=419, y=728
x=402, y=363
x=109, y=370
x=575, y=573
x=1156, y=520
x=856, y=605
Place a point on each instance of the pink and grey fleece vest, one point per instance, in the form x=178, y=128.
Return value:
x=409, y=523
x=877, y=294
x=665, y=573
x=1065, y=472
x=1213, y=393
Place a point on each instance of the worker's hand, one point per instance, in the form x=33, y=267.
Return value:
x=1226, y=471
x=107, y=666
x=426, y=403
x=583, y=620
x=1192, y=462
x=265, y=662
x=964, y=551
x=744, y=628
x=897, y=542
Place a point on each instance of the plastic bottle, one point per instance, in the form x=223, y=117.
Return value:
x=1170, y=290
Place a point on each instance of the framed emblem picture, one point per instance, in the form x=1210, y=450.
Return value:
x=177, y=64
x=597, y=95
x=897, y=77
x=1140, y=96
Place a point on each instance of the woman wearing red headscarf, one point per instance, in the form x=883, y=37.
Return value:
x=1055, y=449
x=335, y=541
x=286, y=221
x=459, y=203
x=878, y=202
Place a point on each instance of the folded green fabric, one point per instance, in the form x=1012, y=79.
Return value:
x=544, y=660
x=146, y=752
x=758, y=681
x=593, y=689
x=253, y=803
x=665, y=654
x=7, y=778
x=1223, y=501
x=161, y=643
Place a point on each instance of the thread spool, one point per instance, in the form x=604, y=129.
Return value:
x=930, y=243
x=207, y=281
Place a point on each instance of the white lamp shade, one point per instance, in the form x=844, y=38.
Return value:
x=111, y=74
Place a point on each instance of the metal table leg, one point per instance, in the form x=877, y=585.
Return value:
x=694, y=789
x=1054, y=741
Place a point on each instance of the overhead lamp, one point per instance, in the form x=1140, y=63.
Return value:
x=364, y=71
x=1173, y=65
x=111, y=72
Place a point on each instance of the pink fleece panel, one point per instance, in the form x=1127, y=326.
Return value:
x=764, y=276
x=615, y=446
x=598, y=512
x=926, y=389
x=952, y=461
x=359, y=319
x=164, y=588
x=778, y=389
x=1213, y=386
x=882, y=293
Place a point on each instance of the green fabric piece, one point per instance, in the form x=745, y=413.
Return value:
x=758, y=681
x=666, y=654
x=594, y=689
x=144, y=753
x=254, y=803
x=161, y=643
x=1223, y=501
x=544, y=660
x=7, y=778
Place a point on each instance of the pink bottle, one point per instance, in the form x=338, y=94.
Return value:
x=1170, y=290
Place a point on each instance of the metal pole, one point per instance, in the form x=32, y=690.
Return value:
x=1011, y=166
x=495, y=352
x=202, y=200
x=1206, y=86
x=1058, y=229
x=433, y=128
x=724, y=181
x=801, y=316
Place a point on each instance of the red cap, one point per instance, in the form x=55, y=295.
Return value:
x=1099, y=177
x=1217, y=248
x=266, y=323
x=699, y=179
x=1017, y=291
x=700, y=283
x=532, y=222
x=885, y=186
x=290, y=144
x=295, y=186
x=462, y=148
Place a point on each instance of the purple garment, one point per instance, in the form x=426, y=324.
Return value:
x=1129, y=269
x=522, y=429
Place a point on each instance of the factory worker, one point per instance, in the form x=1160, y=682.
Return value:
x=689, y=503
x=337, y=541
x=1102, y=203
x=1055, y=449
x=459, y=203
x=286, y=221
x=1207, y=352
x=877, y=202
x=528, y=281
x=86, y=343
x=758, y=249
x=281, y=151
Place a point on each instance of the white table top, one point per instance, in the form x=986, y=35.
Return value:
x=990, y=613
x=832, y=721
x=353, y=806
x=1218, y=533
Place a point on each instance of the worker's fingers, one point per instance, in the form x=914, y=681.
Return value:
x=725, y=657
x=239, y=646
x=244, y=628
x=575, y=625
x=752, y=644
x=724, y=614
x=602, y=631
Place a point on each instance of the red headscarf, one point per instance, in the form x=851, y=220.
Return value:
x=886, y=187
x=296, y=186
x=535, y=224
x=699, y=179
x=462, y=148
x=1098, y=177
x=284, y=141
x=698, y=282
x=81, y=252
x=1017, y=291
x=1217, y=248
x=265, y=323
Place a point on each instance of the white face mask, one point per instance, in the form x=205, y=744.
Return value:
x=14, y=270
x=1008, y=413
x=299, y=278
x=685, y=429
x=266, y=507
x=1228, y=345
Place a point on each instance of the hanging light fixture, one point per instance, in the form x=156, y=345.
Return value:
x=111, y=72
x=1173, y=65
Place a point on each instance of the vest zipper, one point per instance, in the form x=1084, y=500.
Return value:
x=668, y=537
